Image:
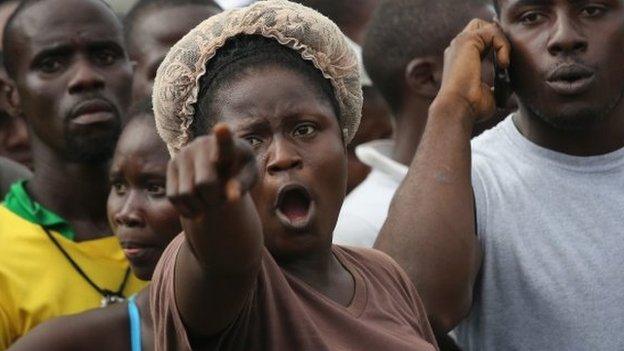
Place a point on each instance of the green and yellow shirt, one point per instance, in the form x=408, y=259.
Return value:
x=36, y=281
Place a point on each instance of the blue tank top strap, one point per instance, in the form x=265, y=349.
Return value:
x=135, y=324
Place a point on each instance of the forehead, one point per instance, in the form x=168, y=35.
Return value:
x=140, y=138
x=509, y=3
x=168, y=24
x=66, y=22
x=271, y=92
x=485, y=12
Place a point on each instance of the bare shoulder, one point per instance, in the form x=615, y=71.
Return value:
x=98, y=329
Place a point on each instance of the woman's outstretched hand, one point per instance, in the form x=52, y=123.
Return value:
x=209, y=172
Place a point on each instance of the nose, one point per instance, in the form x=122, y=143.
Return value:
x=130, y=213
x=86, y=77
x=567, y=38
x=18, y=137
x=283, y=156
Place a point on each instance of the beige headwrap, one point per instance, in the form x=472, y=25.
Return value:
x=300, y=28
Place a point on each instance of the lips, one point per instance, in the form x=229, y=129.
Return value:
x=295, y=207
x=138, y=252
x=570, y=79
x=93, y=112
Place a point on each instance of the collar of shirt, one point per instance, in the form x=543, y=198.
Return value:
x=377, y=155
x=20, y=203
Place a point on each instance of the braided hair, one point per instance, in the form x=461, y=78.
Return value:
x=237, y=58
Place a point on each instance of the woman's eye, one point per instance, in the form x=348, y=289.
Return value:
x=119, y=188
x=531, y=17
x=156, y=189
x=253, y=140
x=304, y=130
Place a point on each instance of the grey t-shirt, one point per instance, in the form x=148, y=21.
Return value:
x=552, y=231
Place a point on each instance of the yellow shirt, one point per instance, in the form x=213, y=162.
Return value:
x=37, y=282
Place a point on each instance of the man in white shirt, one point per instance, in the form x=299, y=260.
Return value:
x=404, y=58
x=518, y=234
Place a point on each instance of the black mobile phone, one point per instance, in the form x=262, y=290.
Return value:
x=502, y=84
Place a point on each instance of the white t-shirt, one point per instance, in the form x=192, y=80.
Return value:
x=552, y=230
x=365, y=209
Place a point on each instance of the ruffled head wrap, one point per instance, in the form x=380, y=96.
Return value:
x=315, y=37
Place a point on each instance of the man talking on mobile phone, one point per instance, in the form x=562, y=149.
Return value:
x=518, y=237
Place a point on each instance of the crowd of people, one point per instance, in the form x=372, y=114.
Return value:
x=312, y=175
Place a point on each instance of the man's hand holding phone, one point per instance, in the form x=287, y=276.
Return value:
x=463, y=93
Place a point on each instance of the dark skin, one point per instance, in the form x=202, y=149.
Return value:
x=376, y=124
x=423, y=76
x=98, y=329
x=363, y=11
x=14, y=141
x=229, y=183
x=6, y=10
x=140, y=214
x=73, y=81
x=441, y=252
x=154, y=33
x=13, y=130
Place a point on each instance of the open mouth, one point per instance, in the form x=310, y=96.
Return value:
x=294, y=207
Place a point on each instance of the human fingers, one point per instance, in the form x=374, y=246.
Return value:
x=245, y=178
x=184, y=196
x=502, y=47
x=207, y=178
x=225, y=149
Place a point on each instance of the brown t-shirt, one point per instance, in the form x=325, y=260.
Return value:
x=284, y=313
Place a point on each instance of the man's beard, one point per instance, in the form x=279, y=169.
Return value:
x=578, y=120
x=96, y=150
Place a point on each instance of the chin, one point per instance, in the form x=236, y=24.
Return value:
x=572, y=116
x=287, y=246
x=143, y=273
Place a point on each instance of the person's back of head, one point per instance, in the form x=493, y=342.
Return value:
x=152, y=27
x=404, y=30
x=352, y=16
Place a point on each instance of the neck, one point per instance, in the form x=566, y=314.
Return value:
x=315, y=268
x=605, y=136
x=76, y=192
x=409, y=127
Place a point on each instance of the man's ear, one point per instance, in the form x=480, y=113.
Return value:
x=423, y=76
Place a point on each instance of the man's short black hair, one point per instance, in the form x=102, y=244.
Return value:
x=10, y=43
x=142, y=5
x=402, y=30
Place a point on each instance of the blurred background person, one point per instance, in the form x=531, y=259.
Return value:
x=403, y=54
x=145, y=222
x=14, y=142
x=353, y=17
x=73, y=81
x=152, y=27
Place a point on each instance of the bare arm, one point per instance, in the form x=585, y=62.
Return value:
x=217, y=265
x=430, y=228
